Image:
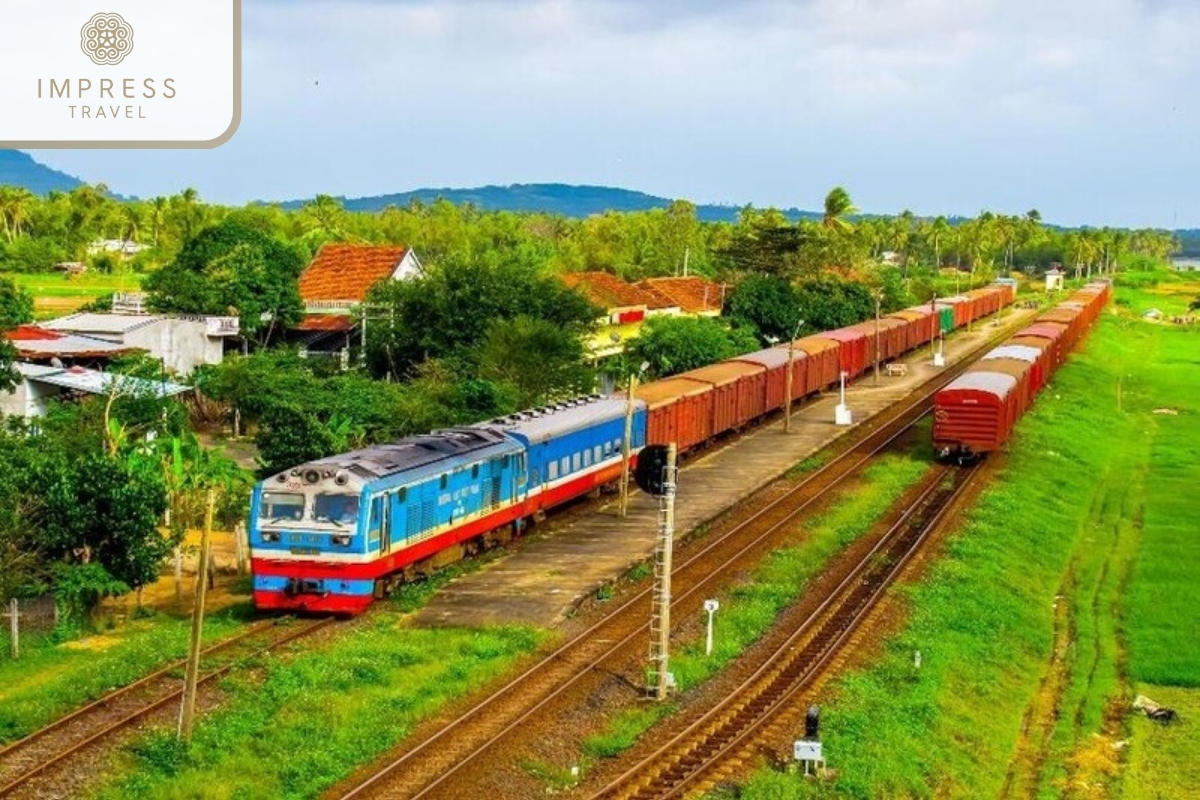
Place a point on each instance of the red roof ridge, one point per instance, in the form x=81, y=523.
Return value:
x=346, y=271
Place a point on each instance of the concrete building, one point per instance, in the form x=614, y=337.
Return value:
x=182, y=343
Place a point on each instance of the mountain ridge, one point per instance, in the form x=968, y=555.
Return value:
x=20, y=169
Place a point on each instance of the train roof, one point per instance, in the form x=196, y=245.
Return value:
x=994, y=383
x=539, y=424
x=773, y=356
x=430, y=453
x=1021, y=352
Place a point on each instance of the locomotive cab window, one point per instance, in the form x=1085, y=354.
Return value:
x=281, y=506
x=445, y=480
x=337, y=508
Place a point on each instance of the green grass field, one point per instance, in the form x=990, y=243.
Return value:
x=51, y=678
x=295, y=725
x=54, y=294
x=1091, y=524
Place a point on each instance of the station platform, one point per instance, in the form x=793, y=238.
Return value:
x=549, y=574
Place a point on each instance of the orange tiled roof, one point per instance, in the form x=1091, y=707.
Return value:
x=31, y=333
x=693, y=295
x=326, y=322
x=608, y=291
x=348, y=271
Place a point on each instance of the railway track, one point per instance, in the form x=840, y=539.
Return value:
x=52, y=747
x=680, y=766
x=426, y=768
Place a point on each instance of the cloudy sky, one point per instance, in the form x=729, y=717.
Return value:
x=1088, y=110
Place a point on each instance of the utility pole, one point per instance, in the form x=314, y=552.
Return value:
x=878, y=297
x=936, y=323
x=14, y=612
x=627, y=447
x=187, y=713
x=660, y=618
x=791, y=366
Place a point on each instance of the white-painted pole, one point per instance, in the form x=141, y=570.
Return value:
x=711, y=607
x=14, y=611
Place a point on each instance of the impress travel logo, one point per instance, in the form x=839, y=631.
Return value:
x=71, y=75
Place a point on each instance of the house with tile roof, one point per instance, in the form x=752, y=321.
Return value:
x=626, y=306
x=693, y=295
x=340, y=275
x=335, y=283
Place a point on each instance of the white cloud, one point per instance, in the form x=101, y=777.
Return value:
x=927, y=104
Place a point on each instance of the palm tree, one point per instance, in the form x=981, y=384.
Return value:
x=939, y=229
x=15, y=202
x=838, y=206
x=158, y=208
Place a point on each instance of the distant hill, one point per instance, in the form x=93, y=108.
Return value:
x=19, y=169
x=550, y=198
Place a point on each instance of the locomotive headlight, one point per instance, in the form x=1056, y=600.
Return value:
x=342, y=540
x=267, y=536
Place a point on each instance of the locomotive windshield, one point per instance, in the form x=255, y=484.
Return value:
x=281, y=506
x=338, y=508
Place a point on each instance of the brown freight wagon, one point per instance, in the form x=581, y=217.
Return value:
x=1034, y=354
x=974, y=413
x=822, y=362
x=854, y=349
x=917, y=331
x=962, y=309
x=677, y=410
x=739, y=392
x=1020, y=371
x=1071, y=318
x=1051, y=333
x=894, y=333
x=774, y=360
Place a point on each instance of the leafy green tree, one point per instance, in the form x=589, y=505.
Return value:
x=536, y=357
x=768, y=303
x=676, y=344
x=448, y=311
x=290, y=435
x=233, y=268
x=831, y=302
x=838, y=206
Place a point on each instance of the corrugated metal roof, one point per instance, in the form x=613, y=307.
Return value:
x=89, y=322
x=1046, y=330
x=94, y=381
x=536, y=425
x=1018, y=351
x=773, y=356
x=995, y=383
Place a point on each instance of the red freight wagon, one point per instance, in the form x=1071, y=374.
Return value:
x=774, y=361
x=894, y=333
x=929, y=324
x=1072, y=319
x=677, y=410
x=974, y=413
x=917, y=330
x=854, y=350
x=1051, y=332
x=739, y=392
x=962, y=309
x=822, y=362
x=1034, y=355
x=1018, y=369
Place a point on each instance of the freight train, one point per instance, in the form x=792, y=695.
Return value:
x=975, y=413
x=333, y=534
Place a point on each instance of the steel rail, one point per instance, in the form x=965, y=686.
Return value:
x=823, y=628
x=20, y=780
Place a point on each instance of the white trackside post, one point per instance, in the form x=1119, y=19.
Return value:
x=841, y=414
x=711, y=607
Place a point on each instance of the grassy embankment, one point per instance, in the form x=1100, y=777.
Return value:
x=749, y=610
x=52, y=677
x=1070, y=590
x=293, y=726
x=54, y=294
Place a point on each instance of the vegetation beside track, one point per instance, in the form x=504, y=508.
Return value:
x=53, y=677
x=1087, y=516
x=749, y=610
x=293, y=727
